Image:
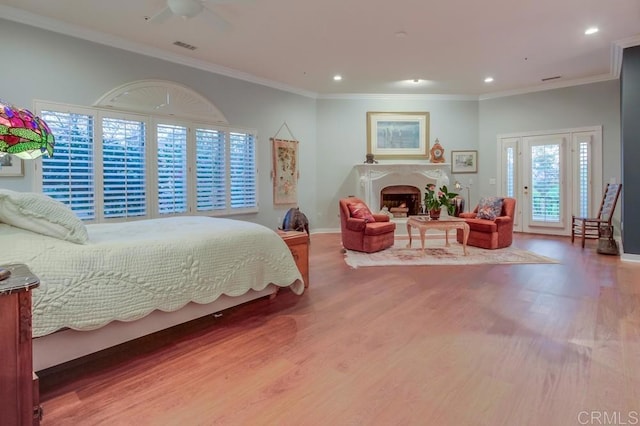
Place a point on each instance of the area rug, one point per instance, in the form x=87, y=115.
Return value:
x=436, y=253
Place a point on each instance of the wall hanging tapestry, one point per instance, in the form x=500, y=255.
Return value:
x=285, y=169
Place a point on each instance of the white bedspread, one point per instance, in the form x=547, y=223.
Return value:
x=129, y=269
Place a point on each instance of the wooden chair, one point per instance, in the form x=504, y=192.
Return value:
x=589, y=228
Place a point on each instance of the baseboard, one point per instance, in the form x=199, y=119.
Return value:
x=625, y=257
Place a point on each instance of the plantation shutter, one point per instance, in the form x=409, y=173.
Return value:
x=123, y=157
x=101, y=171
x=584, y=178
x=68, y=175
x=211, y=187
x=242, y=169
x=510, y=172
x=172, y=168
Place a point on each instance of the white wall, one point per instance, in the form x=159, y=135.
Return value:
x=342, y=141
x=462, y=125
x=332, y=132
x=577, y=106
x=53, y=67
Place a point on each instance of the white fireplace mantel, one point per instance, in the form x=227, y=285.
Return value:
x=373, y=177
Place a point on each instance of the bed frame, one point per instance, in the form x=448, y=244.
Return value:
x=66, y=345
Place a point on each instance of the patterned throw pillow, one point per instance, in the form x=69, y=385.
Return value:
x=361, y=211
x=489, y=207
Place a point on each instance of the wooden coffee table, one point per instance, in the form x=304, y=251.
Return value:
x=445, y=223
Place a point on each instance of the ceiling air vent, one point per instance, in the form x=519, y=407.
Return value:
x=185, y=45
x=552, y=78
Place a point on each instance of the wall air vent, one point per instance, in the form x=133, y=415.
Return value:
x=185, y=45
x=552, y=78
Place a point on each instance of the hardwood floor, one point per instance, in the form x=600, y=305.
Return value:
x=544, y=344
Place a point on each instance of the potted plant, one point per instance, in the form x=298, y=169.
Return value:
x=435, y=199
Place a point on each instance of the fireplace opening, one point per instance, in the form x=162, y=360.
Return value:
x=401, y=200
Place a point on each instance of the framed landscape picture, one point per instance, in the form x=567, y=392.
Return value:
x=464, y=161
x=398, y=134
x=11, y=166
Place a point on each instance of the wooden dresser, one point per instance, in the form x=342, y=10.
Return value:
x=19, y=396
x=298, y=243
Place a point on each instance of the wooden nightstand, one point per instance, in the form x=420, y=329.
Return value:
x=298, y=243
x=19, y=396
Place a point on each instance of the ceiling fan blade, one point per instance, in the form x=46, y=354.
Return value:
x=219, y=23
x=161, y=16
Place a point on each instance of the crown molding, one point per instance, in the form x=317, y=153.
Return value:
x=398, y=96
x=617, y=50
x=28, y=18
x=549, y=86
x=31, y=19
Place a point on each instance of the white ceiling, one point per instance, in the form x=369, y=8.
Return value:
x=452, y=45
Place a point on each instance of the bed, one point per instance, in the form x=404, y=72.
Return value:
x=104, y=284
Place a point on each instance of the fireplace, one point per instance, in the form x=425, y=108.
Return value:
x=397, y=198
x=409, y=178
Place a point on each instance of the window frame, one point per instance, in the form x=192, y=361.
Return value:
x=99, y=159
x=151, y=166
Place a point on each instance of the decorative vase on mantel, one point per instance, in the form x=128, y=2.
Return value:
x=434, y=214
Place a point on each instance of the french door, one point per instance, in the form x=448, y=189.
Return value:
x=552, y=175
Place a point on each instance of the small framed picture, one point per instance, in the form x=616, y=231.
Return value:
x=11, y=166
x=464, y=161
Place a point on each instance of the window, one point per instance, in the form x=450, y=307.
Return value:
x=211, y=168
x=242, y=170
x=69, y=175
x=172, y=168
x=123, y=167
x=108, y=165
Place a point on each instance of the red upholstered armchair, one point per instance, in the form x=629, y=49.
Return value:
x=487, y=233
x=362, y=230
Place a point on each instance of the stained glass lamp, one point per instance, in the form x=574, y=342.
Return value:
x=24, y=135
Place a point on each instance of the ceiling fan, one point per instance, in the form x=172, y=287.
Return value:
x=187, y=9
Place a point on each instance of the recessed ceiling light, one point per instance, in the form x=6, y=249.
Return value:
x=337, y=77
x=412, y=83
x=488, y=79
x=591, y=30
x=400, y=34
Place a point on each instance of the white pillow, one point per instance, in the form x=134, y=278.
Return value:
x=42, y=214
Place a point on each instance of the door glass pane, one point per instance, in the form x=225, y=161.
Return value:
x=583, y=179
x=510, y=166
x=545, y=183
